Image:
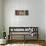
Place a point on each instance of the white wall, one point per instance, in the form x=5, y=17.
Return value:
x=36, y=14
x=0, y=18
x=0, y=12
x=45, y=19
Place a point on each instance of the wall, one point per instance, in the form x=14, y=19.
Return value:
x=45, y=19
x=0, y=18
x=36, y=15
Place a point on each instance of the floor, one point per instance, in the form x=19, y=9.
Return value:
x=21, y=45
x=25, y=43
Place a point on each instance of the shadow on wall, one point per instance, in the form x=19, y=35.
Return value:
x=1, y=34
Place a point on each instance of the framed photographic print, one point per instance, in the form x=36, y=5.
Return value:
x=21, y=12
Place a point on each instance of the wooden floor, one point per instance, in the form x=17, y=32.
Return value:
x=40, y=42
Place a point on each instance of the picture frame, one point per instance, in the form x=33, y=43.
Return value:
x=21, y=12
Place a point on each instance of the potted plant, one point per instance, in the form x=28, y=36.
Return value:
x=2, y=37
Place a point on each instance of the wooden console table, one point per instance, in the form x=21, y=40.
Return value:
x=25, y=32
